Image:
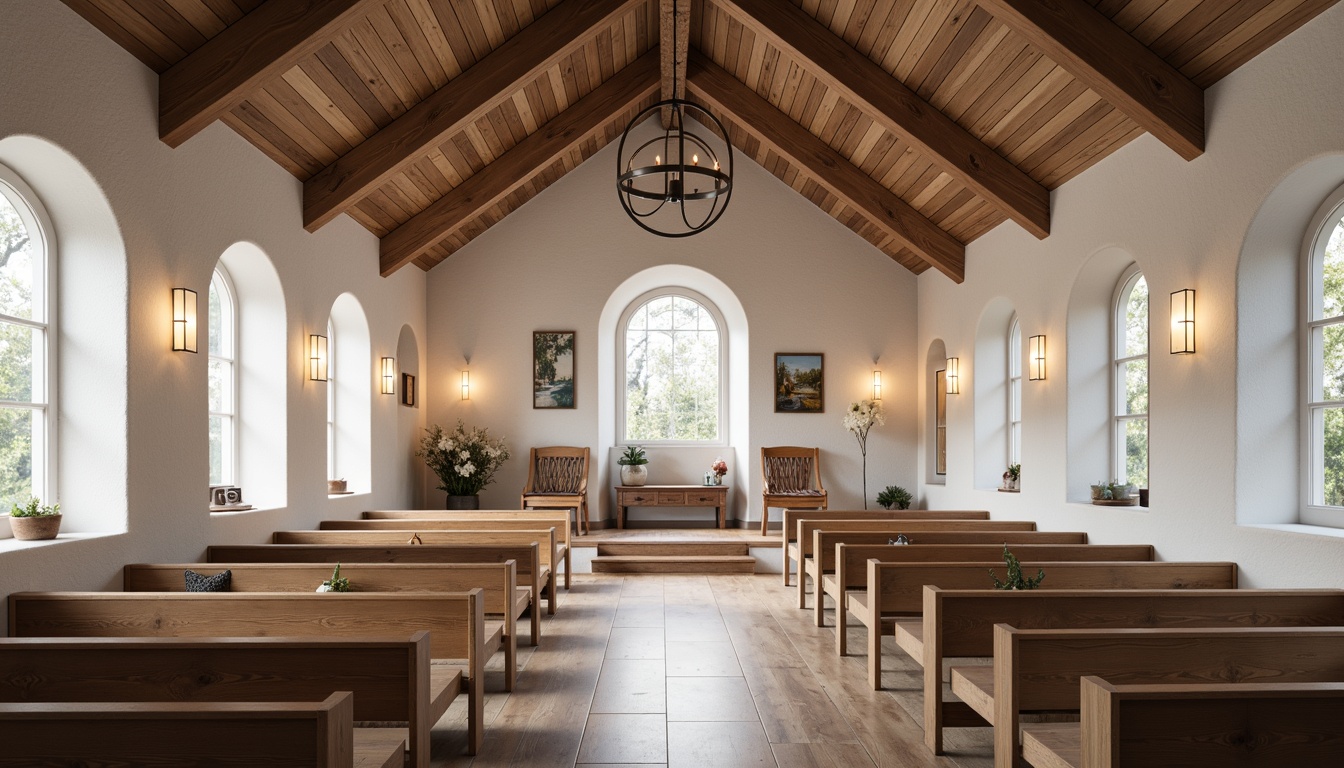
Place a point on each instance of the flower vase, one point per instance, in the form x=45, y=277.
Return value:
x=463, y=502
x=718, y=479
x=634, y=474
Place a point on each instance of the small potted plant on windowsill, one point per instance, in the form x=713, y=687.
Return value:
x=1012, y=479
x=633, y=469
x=1114, y=494
x=35, y=521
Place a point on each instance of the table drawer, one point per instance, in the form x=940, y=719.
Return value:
x=701, y=499
x=671, y=498
x=637, y=498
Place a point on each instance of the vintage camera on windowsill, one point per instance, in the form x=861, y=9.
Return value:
x=226, y=498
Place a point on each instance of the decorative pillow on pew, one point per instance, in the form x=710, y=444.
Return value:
x=220, y=582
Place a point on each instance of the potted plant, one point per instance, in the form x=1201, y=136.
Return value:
x=1012, y=478
x=1014, y=577
x=633, y=469
x=337, y=582
x=894, y=496
x=465, y=461
x=35, y=521
x=1113, y=494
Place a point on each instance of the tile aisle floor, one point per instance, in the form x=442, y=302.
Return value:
x=698, y=671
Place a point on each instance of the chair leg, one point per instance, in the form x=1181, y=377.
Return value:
x=583, y=505
x=765, y=519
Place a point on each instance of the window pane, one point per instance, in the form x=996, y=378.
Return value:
x=214, y=320
x=671, y=372
x=1332, y=284
x=17, y=275
x=221, y=386
x=1136, y=386
x=1332, y=457
x=1331, y=341
x=1136, y=319
x=221, y=450
x=16, y=362
x=16, y=455
x=1136, y=452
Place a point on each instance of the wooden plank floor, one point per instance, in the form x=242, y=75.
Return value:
x=698, y=671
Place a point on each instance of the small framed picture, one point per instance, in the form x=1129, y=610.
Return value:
x=799, y=382
x=553, y=369
x=408, y=390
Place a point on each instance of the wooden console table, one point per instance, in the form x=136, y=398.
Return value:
x=672, y=496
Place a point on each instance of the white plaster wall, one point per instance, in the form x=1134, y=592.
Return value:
x=1185, y=224
x=177, y=210
x=806, y=284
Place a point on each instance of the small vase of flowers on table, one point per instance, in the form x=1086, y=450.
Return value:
x=719, y=468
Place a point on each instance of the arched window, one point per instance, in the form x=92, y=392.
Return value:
x=1014, y=392
x=331, y=402
x=27, y=357
x=349, y=395
x=674, y=355
x=1129, y=425
x=1324, y=374
x=222, y=330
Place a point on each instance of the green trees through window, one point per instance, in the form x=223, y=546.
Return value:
x=23, y=352
x=672, y=371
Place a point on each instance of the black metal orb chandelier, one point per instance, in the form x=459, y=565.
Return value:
x=675, y=185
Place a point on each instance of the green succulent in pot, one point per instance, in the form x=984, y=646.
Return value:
x=35, y=521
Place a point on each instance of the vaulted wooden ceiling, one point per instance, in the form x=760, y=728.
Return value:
x=919, y=124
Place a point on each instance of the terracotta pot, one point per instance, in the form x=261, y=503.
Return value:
x=35, y=528
x=464, y=502
x=634, y=474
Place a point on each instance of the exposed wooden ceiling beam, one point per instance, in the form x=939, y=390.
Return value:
x=1118, y=67
x=262, y=45
x=898, y=109
x=521, y=59
x=721, y=91
x=635, y=83
x=674, y=40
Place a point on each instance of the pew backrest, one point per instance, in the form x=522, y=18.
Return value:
x=546, y=538
x=792, y=516
x=461, y=521
x=850, y=561
x=806, y=528
x=897, y=588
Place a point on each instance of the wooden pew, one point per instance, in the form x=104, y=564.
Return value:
x=960, y=624
x=850, y=563
x=1258, y=725
x=455, y=621
x=897, y=589
x=526, y=558
x=503, y=598
x=392, y=679
x=1039, y=670
x=789, y=528
x=546, y=538
x=805, y=529
x=549, y=518
x=292, y=734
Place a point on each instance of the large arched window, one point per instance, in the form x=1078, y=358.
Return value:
x=27, y=359
x=349, y=395
x=332, y=378
x=1324, y=374
x=674, y=355
x=1014, y=392
x=222, y=330
x=1129, y=423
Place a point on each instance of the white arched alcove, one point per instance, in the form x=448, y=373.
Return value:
x=263, y=440
x=408, y=421
x=990, y=385
x=934, y=361
x=351, y=384
x=91, y=326
x=674, y=463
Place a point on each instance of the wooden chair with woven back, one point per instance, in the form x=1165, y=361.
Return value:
x=791, y=478
x=557, y=478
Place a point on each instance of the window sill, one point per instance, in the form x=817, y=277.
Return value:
x=1311, y=530
x=14, y=545
x=234, y=512
x=348, y=493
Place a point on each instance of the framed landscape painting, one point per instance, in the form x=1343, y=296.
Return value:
x=799, y=382
x=552, y=369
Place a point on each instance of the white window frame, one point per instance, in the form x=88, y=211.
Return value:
x=1313, y=509
x=1120, y=419
x=621, y=329
x=44, y=397
x=331, y=402
x=230, y=461
x=1014, y=391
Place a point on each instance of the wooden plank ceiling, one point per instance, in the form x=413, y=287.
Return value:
x=918, y=124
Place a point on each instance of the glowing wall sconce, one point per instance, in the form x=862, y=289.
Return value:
x=953, y=376
x=184, y=320
x=1183, y=322
x=1036, y=358
x=466, y=385
x=317, y=357
x=389, y=375
x=877, y=385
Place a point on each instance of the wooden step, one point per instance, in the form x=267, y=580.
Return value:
x=673, y=548
x=674, y=564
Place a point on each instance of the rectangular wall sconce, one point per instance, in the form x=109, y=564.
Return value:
x=1036, y=358
x=953, y=376
x=1183, y=322
x=466, y=385
x=389, y=375
x=317, y=357
x=184, y=320
x=877, y=385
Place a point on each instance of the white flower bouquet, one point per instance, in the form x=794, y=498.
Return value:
x=465, y=459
